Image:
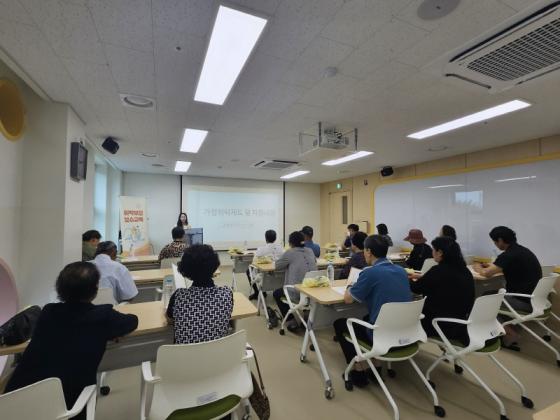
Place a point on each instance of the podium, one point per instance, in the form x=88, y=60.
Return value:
x=194, y=236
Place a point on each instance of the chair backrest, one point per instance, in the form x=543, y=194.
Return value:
x=42, y=400
x=315, y=273
x=240, y=265
x=105, y=296
x=353, y=275
x=168, y=262
x=484, y=324
x=544, y=287
x=547, y=270
x=428, y=263
x=179, y=281
x=197, y=374
x=398, y=324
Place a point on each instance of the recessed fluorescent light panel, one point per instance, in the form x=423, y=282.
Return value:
x=483, y=115
x=182, y=166
x=192, y=140
x=348, y=158
x=234, y=36
x=446, y=186
x=294, y=174
x=516, y=179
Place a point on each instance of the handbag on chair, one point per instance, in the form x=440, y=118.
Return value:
x=258, y=399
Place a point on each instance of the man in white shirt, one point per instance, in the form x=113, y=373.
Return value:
x=272, y=250
x=113, y=273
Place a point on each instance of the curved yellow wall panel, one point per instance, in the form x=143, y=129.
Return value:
x=12, y=112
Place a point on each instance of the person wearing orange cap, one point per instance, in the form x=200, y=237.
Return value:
x=420, y=251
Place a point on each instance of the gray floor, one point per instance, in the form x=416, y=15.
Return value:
x=296, y=389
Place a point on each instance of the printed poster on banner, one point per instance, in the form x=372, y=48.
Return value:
x=134, y=227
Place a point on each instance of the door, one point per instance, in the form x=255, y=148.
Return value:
x=341, y=215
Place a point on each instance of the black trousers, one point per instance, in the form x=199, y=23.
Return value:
x=254, y=285
x=340, y=328
x=284, y=307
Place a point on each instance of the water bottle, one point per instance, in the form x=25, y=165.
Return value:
x=330, y=274
x=167, y=290
x=245, y=245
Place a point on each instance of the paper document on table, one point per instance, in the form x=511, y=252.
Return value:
x=340, y=289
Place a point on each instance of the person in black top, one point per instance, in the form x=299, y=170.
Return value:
x=448, y=231
x=420, y=251
x=352, y=229
x=70, y=337
x=521, y=269
x=383, y=231
x=448, y=288
x=357, y=259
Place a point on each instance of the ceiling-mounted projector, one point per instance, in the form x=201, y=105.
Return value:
x=328, y=138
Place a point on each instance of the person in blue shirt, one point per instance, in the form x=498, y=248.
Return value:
x=308, y=240
x=381, y=283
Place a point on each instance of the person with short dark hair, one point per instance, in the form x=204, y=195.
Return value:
x=90, y=239
x=70, y=337
x=521, y=269
x=297, y=261
x=420, y=250
x=384, y=231
x=113, y=273
x=307, y=232
x=357, y=259
x=448, y=231
x=272, y=250
x=381, y=283
x=352, y=229
x=449, y=289
x=201, y=312
x=176, y=248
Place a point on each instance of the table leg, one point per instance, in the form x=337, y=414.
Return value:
x=310, y=334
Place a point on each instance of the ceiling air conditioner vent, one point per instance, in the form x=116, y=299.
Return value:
x=527, y=49
x=274, y=164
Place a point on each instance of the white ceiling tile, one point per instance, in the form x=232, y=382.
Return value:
x=132, y=70
x=410, y=14
x=91, y=77
x=518, y=4
x=143, y=125
x=127, y=23
x=194, y=17
x=266, y=7
x=200, y=115
x=260, y=74
x=13, y=10
x=69, y=29
x=328, y=92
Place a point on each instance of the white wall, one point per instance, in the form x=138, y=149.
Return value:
x=114, y=191
x=303, y=207
x=87, y=221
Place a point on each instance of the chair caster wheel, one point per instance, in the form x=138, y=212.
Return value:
x=311, y=347
x=547, y=338
x=458, y=370
x=105, y=390
x=335, y=338
x=432, y=384
x=329, y=393
x=282, y=332
x=391, y=373
x=527, y=402
x=502, y=417
x=558, y=363
x=348, y=385
x=439, y=411
x=302, y=359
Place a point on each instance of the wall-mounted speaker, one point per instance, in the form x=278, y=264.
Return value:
x=387, y=171
x=110, y=145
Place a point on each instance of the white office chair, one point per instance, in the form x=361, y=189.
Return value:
x=541, y=311
x=484, y=332
x=240, y=265
x=205, y=380
x=428, y=263
x=265, y=282
x=179, y=281
x=397, y=332
x=45, y=400
x=303, y=302
x=168, y=262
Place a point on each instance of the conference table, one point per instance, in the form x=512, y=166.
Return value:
x=322, y=263
x=141, y=262
x=153, y=331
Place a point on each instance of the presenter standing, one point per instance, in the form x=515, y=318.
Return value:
x=183, y=221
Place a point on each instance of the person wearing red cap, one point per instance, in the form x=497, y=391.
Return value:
x=420, y=251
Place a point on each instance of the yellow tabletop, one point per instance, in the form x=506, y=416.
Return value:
x=321, y=263
x=151, y=276
x=323, y=295
x=151, y=318
x=557, y=269
x=549, y=413
x=398, y=256
x=144, y=259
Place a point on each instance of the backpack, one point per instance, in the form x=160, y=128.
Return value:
x=273, y=318
x=19, y=328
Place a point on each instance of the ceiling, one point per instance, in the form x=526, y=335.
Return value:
x=87, y=52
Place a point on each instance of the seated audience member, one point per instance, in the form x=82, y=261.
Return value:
x=381, y=283
x=297, y=261
x=308, y=239
x=90, y=239
x=70, y=337
x=272, y=250
x=384, y=232
x=448, y=231
x=420, y=250
x=448, y=288
x=352, y=229
x=174, y=249
x=113, y=273
x=357, y=259
x=521, y=269
x=201, y=312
